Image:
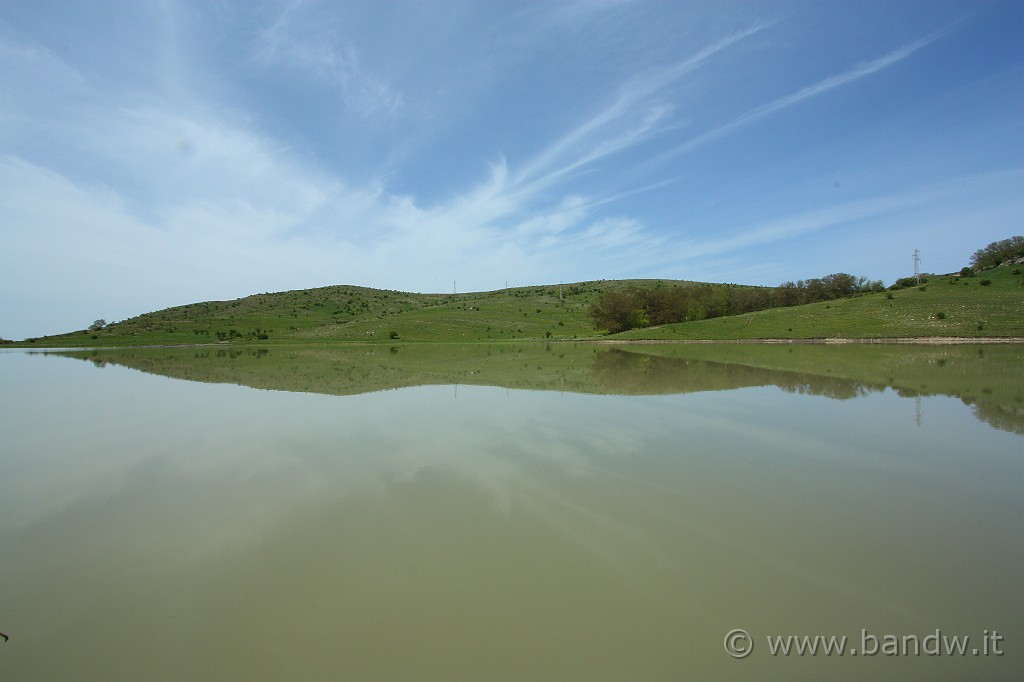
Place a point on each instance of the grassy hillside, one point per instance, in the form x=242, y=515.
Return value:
x=944, y=306
x=357, y=314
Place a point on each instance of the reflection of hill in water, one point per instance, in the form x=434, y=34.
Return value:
x=1003, y=417
x=620, y=371
x=989, y=379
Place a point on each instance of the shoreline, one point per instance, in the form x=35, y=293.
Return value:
x=909, y=340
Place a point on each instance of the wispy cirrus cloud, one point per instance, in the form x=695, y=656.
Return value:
x=919, y=210
x=804, y=222
x=854, y=74
x=232, y=211
x=194, y=164
x=299, y=42
x=632, y=117
x=234, y=197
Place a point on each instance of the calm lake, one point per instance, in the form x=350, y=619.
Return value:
x=511, y=512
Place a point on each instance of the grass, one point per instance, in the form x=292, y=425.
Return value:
x=946, y=306
x=358, y=314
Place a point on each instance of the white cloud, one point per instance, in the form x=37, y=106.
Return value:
x=830, y=83
x=305, y=44
x=629, y=119
x=128, y=197
x=201, y=208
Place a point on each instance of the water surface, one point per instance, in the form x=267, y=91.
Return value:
x=506, y=512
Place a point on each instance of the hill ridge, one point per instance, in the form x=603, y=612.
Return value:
x=990, y=305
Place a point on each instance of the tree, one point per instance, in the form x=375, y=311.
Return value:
x=841, y=285
x=97, y=325
x=787, y=294
x=618, y=311
x=998, y=252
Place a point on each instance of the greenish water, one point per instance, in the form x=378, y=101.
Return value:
x=508, y=512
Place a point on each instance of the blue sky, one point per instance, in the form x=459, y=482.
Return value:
x=160, y=153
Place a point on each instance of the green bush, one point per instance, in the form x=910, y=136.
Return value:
x=985, y=282
x=940, y=315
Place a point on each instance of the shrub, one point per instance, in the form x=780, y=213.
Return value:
x=392, y=334
x=967, y=271
x=940, y=315
x=985, y=282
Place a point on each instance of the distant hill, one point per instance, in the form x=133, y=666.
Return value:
x=359, y=314
x=990, y=304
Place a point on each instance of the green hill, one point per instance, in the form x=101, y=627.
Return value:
x=990, y=304
x=358, y=314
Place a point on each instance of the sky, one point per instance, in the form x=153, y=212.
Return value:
x=158, y=153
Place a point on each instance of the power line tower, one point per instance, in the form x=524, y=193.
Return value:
x=917, y=266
